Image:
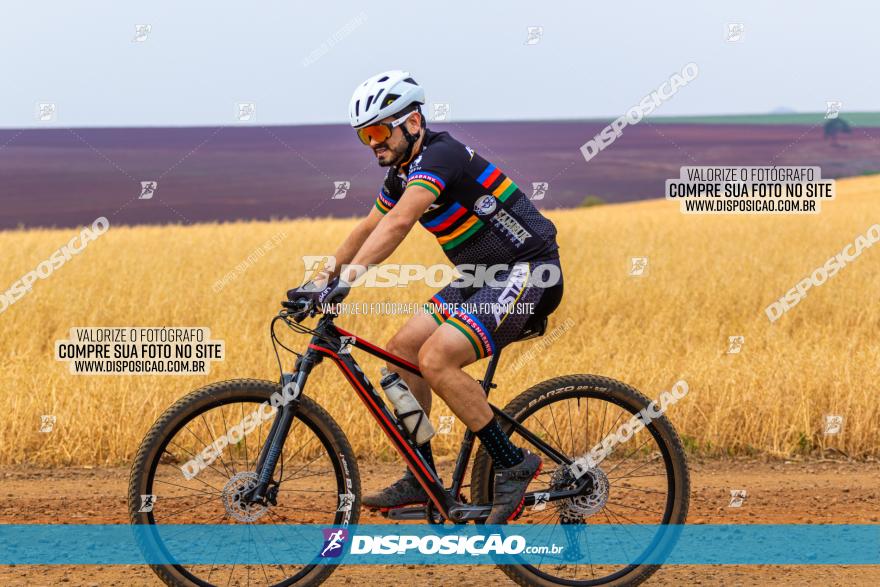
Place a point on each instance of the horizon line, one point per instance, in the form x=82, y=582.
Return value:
x=677, y=117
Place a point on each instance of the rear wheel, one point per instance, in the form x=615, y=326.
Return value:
x=317, y=471
x=642, y=483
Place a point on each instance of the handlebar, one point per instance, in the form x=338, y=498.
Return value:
x=300, y=308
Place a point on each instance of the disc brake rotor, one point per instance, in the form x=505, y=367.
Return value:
x=574, y=510
x=234, y=490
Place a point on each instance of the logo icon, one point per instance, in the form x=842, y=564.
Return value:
x=833, y=424
x=148, y=190
x=470, y=151
x=346, y=500
x=246, y=111
x=47, y=423
x=315, y=264
x=638, y=266
x=541, y=500
x=334, y=538
x=735, y=32
x=441, y=111
x=46, y=111
x=539, y=190
x=346, y=342
x=446, y=423
x=535, y=33
x=141, y=32
x=147, y=503
x=832, y=109
x=340, y=189
x=485, y=205
x=735, y=344
x=737, y=498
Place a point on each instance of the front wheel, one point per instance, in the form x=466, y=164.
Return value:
x=642, y=484
x=317, y=475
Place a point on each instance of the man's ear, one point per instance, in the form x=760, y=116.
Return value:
x=414, y=122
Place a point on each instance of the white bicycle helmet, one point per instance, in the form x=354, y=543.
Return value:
x=383, y=95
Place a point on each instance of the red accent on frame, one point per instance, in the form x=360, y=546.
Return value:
x=390, y=429
x=380, y=350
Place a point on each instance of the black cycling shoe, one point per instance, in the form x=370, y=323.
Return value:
x=404, y=491
x=510, y=488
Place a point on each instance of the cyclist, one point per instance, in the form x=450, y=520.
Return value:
x=480, y=218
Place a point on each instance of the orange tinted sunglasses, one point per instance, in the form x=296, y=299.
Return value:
x=381, y=131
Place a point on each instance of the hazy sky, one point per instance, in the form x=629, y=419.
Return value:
x=299, y=61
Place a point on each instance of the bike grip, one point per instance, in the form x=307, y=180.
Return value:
x=297, y=305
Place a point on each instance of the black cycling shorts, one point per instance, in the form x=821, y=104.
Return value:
x=492, y=316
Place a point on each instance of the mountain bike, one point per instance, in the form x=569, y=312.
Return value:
x=291, y=463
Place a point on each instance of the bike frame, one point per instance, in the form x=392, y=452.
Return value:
x=327, y=342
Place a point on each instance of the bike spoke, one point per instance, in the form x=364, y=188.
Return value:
x=627, y=487
x=183, y=511
x=570, y=427
x=216, y=491
x=632, y=507
x=303, y=467
x=212, y=467
x=225, y=433
x=244, y=440
x=645, y=464
x=613, y=424
x=309, y=475
x=637, y=449
x=614, y=532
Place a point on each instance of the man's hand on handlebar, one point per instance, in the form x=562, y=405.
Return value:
x=308, y=296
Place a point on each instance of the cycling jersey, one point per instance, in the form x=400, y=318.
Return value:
x=479, y=215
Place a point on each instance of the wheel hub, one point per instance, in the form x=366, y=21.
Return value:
x=233, y=498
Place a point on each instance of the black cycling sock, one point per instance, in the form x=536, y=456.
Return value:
x=425, y=451
x=504, y=453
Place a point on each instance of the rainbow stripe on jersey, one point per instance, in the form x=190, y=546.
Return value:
x=429, y=181
x=456, y=224
x=384, y=202
x=497, y=183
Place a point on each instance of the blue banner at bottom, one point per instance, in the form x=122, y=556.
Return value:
x=426, y=544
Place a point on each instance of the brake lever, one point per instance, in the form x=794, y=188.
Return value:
x=300, y=309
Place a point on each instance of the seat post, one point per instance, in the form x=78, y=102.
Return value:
x=486, y=382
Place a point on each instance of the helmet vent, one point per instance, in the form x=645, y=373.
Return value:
x=410, y=80
x=384, y=78
x=357, y=108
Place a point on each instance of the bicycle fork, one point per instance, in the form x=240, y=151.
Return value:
x=292, y=385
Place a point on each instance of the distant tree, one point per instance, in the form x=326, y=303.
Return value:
x=834, y=127
x=592, y=201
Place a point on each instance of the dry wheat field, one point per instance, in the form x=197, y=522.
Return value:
x=708, y=278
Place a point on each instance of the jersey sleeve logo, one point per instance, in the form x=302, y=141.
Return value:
x=485, y=205
x=427, y=180
x=384, y=202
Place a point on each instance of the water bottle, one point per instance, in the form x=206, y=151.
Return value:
x=407, y=407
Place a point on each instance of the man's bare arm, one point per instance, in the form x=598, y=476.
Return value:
x=391, y=230
x=350, y=246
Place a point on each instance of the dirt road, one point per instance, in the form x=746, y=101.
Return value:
x=814, y=492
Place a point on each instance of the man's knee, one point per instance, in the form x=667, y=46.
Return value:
x=431, y=359
x=403, y=346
